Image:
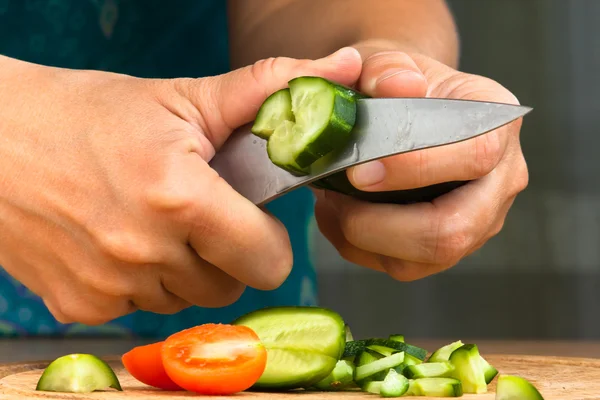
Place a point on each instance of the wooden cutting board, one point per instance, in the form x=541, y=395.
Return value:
x=558, y=378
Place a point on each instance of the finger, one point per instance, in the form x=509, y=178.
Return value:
x=392, y=74
x=230, y=232
x=233, y=99
x=329, y=225
x=200, y=283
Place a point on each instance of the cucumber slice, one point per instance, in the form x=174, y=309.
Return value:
x=373, y=387
x=340, y=378
x=443, y=353
x=276, y=109
x=511, y=387
x=349, y=336
x=303, y=344
x=78, y=373
x=429, y=370
x=357, y=346
x=324, y=114
x=383, y=350
x=488, y=370
x=394, y=385
x=435, y=387
x=397, y=338
x=468, y=369
x=383, y=364
x=367, y=357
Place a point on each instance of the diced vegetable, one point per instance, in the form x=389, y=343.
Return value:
x=429, y=370
x=512, y=387
x=436, y=387
x=443, y=353
x=78, y=373
x=373, y=387
x=383, y=364
x=275, y=109
x=397, y=338
x=468, y=369
x=357, y=346
x=340, y=378
x=488, y=370
x=394, y=385
x=145, y=364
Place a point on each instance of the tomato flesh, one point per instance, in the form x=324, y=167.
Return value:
x=144, y=363
x=216, y=359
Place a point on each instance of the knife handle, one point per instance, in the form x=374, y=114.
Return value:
x=339, y=182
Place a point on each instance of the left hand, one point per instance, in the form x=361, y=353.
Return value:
x=413, y=241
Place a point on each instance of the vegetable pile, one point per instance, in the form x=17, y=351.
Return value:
x=291, y=348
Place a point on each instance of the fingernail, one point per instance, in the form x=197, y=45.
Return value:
x=368, y=174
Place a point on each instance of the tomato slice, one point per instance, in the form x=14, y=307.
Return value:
x=215, y=359
x=144, y=363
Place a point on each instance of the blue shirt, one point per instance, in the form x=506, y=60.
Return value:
x=155, y=39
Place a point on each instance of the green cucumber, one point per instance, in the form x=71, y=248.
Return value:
x=394, y=385
x=356, y=346
x=468, y=369
x=511, y=387
x=340, y=378
x=275, y=109
x=488, y=370
x=383, y=364
x=429, y=370
x=303, y=344
x=435, y=387
x=397, y=338
x=443, y=353
x=324, y=115
x=349, y=336
x=373, y=387
x=383, y=350
x=78, y=373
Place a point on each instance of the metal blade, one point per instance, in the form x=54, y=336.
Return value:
x=384, y=127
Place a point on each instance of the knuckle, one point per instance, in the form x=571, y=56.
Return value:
x=488, y=152
x=124, y=246
x=453, y=240
x=353, y=224
x=521, y=178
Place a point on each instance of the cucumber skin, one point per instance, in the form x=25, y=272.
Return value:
x=341, y=122
x=355, y=347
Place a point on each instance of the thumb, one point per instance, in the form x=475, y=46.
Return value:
x=233, y=99
x=392, y=74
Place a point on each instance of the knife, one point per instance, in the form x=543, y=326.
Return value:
x=384, y=127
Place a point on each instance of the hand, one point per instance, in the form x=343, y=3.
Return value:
x=410, y=242
x=107, y=201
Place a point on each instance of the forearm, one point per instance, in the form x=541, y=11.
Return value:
x=314, y=28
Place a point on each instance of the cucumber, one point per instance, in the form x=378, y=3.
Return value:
x=488, y=370
x=383, y=364
x=275, y=109
x=511, y=387
x=443, y=353
x=303, y=344
x=468, y=369
x=373, y=387
x=429, y=370
x=349, y=336
x=435, y=387
x=394, y=385
x=324, y=115
x=397, y=338
x=383, y=350
x=78, y=373
x=340, y=378
x=356, y=346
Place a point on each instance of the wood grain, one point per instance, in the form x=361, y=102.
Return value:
x=557, y=378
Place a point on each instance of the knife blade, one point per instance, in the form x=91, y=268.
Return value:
x=384, y=127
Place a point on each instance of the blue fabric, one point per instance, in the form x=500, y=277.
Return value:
x=145, y=38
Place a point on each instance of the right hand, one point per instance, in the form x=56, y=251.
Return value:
x=107, y=201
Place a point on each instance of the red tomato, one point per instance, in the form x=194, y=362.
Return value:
x=214, y=359
x=144, y=363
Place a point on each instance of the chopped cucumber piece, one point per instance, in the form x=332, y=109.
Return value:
x=303, y=344
x=435, y=387
x=429, y=370
x=373, y=387
x=397, y=338
x=276, y=109
x=443, y=353
x=468, y=369
x=394, y=385
x=383, y=364
x=511, y=387
x=367, y=357
x=324, y=115
x=349, y=336
x=78, y=373
x=383, y=350
x=341, y=377
x=488, y=370
x=357, y=346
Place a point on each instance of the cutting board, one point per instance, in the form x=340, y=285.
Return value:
x=558, y=378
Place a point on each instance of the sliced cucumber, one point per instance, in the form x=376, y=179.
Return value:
x=488, y=370
x=367, y=357
x=349, y=336
x=443, y=353
x=373, y=387
x=324, y=114
x=383, y=364
x=511, y=387
x=303, y=344
x=429, y=370
x=78, y=373
x=340, y=378
x=394, y=385
x=357, y=346
x=276, y=109
x=383, y=350
x=468, y=369
x=435, y=387
x=397, y=338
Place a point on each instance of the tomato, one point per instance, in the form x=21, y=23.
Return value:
x=215, y=359
x=144, y=363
